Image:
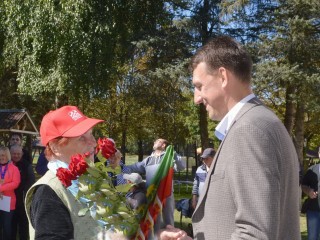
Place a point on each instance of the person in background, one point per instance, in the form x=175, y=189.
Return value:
x=20, y=220
x=52, y=208
x=310, y=186
x=115, y=161
x=42, y=164
x=198, y=152
x=9, y=181
x=16, y=139
x=252, y=188
x=149, y=167
x=136, y=196
x=201, y=174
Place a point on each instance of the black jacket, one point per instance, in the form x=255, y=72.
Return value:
x=27, y=179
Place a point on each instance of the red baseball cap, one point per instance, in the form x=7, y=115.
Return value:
x=67, y=121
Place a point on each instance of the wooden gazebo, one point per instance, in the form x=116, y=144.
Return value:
x=17, y=121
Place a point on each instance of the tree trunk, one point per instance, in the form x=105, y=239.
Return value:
x=123, y=145
x=140, y=150
x=290, y=110
x=299, y=132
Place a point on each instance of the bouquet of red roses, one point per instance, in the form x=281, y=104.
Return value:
x=77, y=167
x=95, y=185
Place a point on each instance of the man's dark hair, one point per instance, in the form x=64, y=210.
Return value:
x=165, y=142
x=223, y=51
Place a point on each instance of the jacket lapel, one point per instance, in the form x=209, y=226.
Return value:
x=249, y=105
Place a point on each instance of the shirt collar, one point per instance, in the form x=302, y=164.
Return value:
x=53, y=166
x=156, y=155
x=225, y=124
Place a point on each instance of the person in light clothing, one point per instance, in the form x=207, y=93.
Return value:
x=149, y=167
x=252, y=188
x=201, y=174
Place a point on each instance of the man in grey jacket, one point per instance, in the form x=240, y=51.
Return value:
x=252, y=189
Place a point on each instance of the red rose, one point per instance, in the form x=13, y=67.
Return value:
x=65, y=176
x=77, y=165
x=81, y=167
x=73, y=164
x=106, y=147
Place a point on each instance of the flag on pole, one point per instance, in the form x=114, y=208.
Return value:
x=159, y=189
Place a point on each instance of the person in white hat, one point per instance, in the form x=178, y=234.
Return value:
x=137, y=193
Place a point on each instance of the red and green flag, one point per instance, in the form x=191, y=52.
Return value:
x=158, y=191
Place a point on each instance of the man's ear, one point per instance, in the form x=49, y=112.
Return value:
x=223, y=76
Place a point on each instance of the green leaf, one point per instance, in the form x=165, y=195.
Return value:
x=117, y=170
x=99, y=164
x=82, y=212
x=101, y=158
x=94, y=172
x=124, y=188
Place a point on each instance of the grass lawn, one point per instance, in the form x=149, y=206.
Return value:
x=303, y=227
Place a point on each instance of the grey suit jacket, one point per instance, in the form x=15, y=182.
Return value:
x=252, y=189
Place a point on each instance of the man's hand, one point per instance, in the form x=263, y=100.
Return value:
x=172, y=233
x=312, y=194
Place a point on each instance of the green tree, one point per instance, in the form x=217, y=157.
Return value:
x=81, y=53
x=287, y=73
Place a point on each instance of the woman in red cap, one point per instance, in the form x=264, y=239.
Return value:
x=52, y=208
